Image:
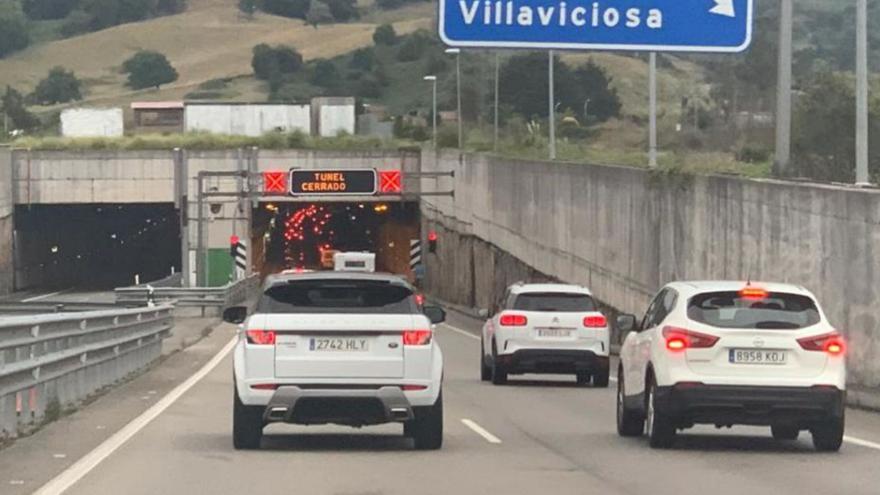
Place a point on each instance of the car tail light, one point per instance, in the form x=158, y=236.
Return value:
x=413, y=387
x=261, y=337
x=265, y=386
x=832, y=343
x=679, y=339
x=512, y=320
x=595, y=321
x=416, y=337
x=420, y=299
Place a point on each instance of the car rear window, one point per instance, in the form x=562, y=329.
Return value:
x=776, y=311
x=554, y=301
x=338, y=296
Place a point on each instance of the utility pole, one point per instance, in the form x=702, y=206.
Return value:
x=497, y=72
x=862, y=177
x=781, y=166
x=652, y=103
x=433, y=81
x=552, y=104
x=457, y=53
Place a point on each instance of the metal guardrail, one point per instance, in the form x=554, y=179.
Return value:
x=203, y=297
x=51, y=362
x=43, y=307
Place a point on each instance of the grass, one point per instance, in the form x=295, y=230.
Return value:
x=209, y=41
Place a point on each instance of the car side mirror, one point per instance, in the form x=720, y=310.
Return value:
x=484, y=313
x=626, y=323
x=435, y=313
x=235, y=314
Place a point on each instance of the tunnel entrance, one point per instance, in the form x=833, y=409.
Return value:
x=290, y=235
x=97, y=246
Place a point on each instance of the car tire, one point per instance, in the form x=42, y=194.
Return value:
x=583, y=378
x=629, y=423
x=426, y=429
x=828, y=436
x=601, y=378
x=785, y=432
x=247, y=425
x=659, y=428
x=499, y=374
x=485, y=369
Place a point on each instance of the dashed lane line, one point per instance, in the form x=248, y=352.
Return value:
x=479, y=430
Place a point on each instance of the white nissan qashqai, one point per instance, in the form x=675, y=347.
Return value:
x=732, y=353
x=344, y=348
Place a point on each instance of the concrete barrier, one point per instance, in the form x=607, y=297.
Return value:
x=6, y=224
x=625, y=232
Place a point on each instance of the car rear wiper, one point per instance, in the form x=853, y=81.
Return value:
x=777, y=325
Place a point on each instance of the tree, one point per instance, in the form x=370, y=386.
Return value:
x=363, y=59
x=60, y=86
x=287, y=8
x=149, y=69
x=248, y=7
x=14, y=108
x=13, y=29
x=48, y=9
x=385, y=35
x=269, y=62
x=324, y=74
x=169, y=7
x=389, y=4
x=343, y=10
x=319, y=13
x=524, y=86
x=414, y=46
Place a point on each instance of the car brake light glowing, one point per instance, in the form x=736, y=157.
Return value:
x=420, y=299
x=753, y=293
x=595, y=321
x=416, y=337
x=261, y=337
x=679, y=339
x=832, y=343
x=512, y=320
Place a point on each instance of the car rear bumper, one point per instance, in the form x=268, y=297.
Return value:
x=748, y=405
x=553, y=361
x=352, y=407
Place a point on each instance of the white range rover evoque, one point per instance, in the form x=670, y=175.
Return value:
x=732, y=353
x=346, y=348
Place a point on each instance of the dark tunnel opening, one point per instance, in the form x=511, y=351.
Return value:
x=95, y=246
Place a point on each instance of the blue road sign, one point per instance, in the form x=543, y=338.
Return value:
x=639, y=25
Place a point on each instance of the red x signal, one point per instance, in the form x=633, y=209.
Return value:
x=275, y=182
x=390, y=182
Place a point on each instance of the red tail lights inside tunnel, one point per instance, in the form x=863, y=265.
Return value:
x=513, y=320
x=595, y=321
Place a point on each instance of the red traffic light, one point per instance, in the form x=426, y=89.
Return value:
x=234, y=240
x=390, y=182
x=432, y=236
x=275, y=182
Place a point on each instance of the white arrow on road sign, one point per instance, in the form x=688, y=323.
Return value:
x=724, y=7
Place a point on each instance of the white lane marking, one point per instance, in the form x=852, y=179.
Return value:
x=463, y=332
x=861, y=443
x=87, y=463
x=45, y=296
x=477, y=337
x=479, y=430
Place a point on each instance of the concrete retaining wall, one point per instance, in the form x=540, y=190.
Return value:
x=625, y=232
x=6, y=224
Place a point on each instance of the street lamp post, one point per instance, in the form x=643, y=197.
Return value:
x=495, y=141
x=457, y=53
x=550, y=100
x=862, y=176
x=433, y=81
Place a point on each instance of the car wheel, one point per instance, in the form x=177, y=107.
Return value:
x=629, y=423
x=660, y=430
x=785, y=432
x=247, y=425
x=426, y=428
x=828, y=436
x=485, y=370
x=601, y=378
x=499, y=374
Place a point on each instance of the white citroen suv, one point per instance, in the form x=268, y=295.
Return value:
x=344, y=348
x=732, y=353
x=546, y=328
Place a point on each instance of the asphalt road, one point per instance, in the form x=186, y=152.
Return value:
x=536, y=435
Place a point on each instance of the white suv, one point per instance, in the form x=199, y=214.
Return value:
x=354, y=349
x=546, y=328
x=727, y=353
